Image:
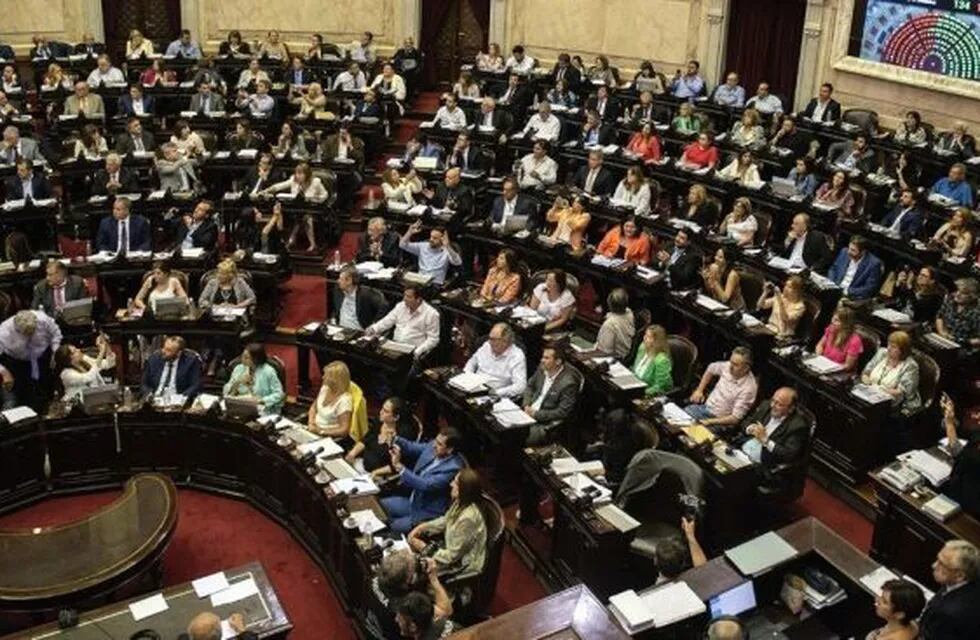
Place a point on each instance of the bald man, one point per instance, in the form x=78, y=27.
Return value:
x=775, y=433
x=207, y=626
x=725, y=628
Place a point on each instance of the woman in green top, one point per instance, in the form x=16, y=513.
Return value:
x=686, y=123
x=652, y=364
x=460, y=536
x=255, y=378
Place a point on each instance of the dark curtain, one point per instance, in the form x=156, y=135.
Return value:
x=159, y=20
x=764, y=38
x=434, y=12
x=481, y=9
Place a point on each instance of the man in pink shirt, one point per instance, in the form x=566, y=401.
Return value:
x=733, y=394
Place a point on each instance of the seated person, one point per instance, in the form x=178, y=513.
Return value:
x=503, y=361
x=291, y=142
x=512, y=211
x=134, y=103
x=593, y=132
x=378, y=244
x=856, y=270
x=273, y=47
x=351, y=79
x=653, y=363
x=690, y=84
x=492, y=120
x=963, y=485
x=198, y=230
x=570, y=221
x=733, y=395
x=543, y=125
x=137, y=46
x=415, y=322
x=519, y=62
x=823, y=108
x=743, y=169
x=955, y=238
x=681, y=262
x=643, y=112
x=601, y=72
x=259, y=104
x=645, y=145
x=57, y=288
x=89, y=47
x=27, y=184
x=14, y=147
x=700, y=154
x=790, y=137
x=227, y=288
x=208, y=626
x=417, y=619
x=806, y=247
x=910, y=130
x=389, y=83
x=836, y=194
x=775, y=433
x=730, y=93
x=803, y=178
x=114, y=178
x=83, y=102
x=134, y=140
x=466, y=86
x=367, y=106
x=622, y=438
x=634, y=191
x=893, y=370
x=400, y=189
x=251, y=74
x=104, y=73
x=332, y=414
x=959, y=317
x=373, y=449
x=593, y=178
x=17, y=249
x=550, y=395
x=616, y=333
x=918, y=295
x=123, y=232
x=701, y=210
x=451, y=194
x=172, y=371
x=342, y=146
x=490, y=60
x=740, y=225
x=9, y=82
x=538, y=170
x=158, y=75
x=400, y=574
x=787, y=306
x=503, y=282
x=90, y=145
x=310, y=187
x=184, y=47
x=686, y=122
x=425, y=470
x=674, y=556
x=553, y=301
x=747, y=132
x=460, y=535
x=421, y=147
x=853, y=156
x=254, y=378
x=354, y=306
x=298, y=75
x=434, y=256
x=312, y=103
x=840, y=342
x=956, y=143
x=78, y=371
x=259, y=234
x=628, y=242
x=905, y=219
x=955, y=187
x=562, y=96
x=176, y=172
x=159, y=283
x=648, y=77
x=765, y=102
x=450, y=116
x=464, y=154
x=207, y=73
x=7, y=108
x=243, y=137
x=722, y=281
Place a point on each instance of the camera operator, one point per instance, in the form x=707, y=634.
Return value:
x=401, y=573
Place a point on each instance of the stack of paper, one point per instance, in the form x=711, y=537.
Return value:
x=876, y=578
x=892, y=316
x=710, y=303
x=579, y=482
x=470, y=382
x=822, y=365
x=398, y=347
x=673, y=602
x=760, y=554
x=566, y=466
x=508, y=414
x=208, y=585
x=618, y=518
x=338, y=468
x=870, y=394
x=367, y=522
x=17, y=414
x=673, y=414
x=941, y=508
x=933, y=469
x=360, y=485
x=238, y=591
x=330, y=448
x=941, y=341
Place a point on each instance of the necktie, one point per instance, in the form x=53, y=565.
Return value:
x=59, y=298
x=206, y=104
x=123, y=238
x=167, y=376
x=590, y=181
x=561, y=73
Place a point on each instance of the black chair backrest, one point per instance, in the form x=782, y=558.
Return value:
x=641, y=320
x=929, y=374
x=683, y=356
x=751, y=283
x=807, y=329
x=486, y=586
x=863, y=118
x=870, y=340
x=764, y=226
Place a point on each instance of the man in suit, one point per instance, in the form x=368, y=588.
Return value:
x=603, y=104
x=593, y=178
x=434, y=465
x=564, y=70
x=775, y=433
x=260, y=177
x=378, y=244
x=342, y=145
x=452, y=194
x=823, y=108
x=135, y=139
x=464, y=155
x=856, y=270
x=516, y=95
x=682, y=263
x=176, y=172
x=122, y=231
x=511, y=211
x=790, y=137
x=367, y=107
x=853, y=155
x=207, y=626
x=354, y=306
x=206, y=100
x=594, y=132
x=27, y=184
x=550, y=395
x=135, y=103
x=298, y=75
x=492, y=118
x=644, y=111
x=83, y=102
x=806, y=247
x=13, y=146
x=905, y=219
x=953, y=614
x=57, y=288
x=198, y=230
x=42, y=49
x=89, y=47
x=172, y=371
x=114, y=178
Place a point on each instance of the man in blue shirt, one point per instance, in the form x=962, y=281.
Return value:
x=730, y=94
x=184, y=46
x=434, y=256
x=955, y=187
x=689, y=85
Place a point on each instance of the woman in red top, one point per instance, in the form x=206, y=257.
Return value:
x=645, y=144
x=628, y=242
x=702, y=153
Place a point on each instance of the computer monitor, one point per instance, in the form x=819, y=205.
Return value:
x=733, y=602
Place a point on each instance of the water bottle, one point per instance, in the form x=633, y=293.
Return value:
x=371, y=203
x=336, y=259
x=127, y=397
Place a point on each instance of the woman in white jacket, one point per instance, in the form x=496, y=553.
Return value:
x=80, y=371
x=311, y=187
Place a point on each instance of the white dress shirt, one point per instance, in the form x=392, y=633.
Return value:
x=796, y=256
x=525, y=65
x=348, y=311
x=753, y=448
x=818, y=111
x=455, y=119
x=548, y=129
x=508, y=370
x=111, y=76
x=545, y=388
x=546, y=168
x=419, y=328
x=852, y=268
x=168, y=386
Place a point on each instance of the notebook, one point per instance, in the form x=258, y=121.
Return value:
x=760, y=554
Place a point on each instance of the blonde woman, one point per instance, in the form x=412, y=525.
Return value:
x=787, y=306
x=399, y=189
x=840, y=341
x=701, y=210
x=893, y=370
x=331, y=414
x=137, y=46
x=740, y=225
x=465, y=86
x=312, y=103
x=491, y=60
x=227, y=288
x=747, y=132
x=311, y=187
x=955, y=237
x=56, y=78
x=652, y=364
x=743, y=169
x=570, y=221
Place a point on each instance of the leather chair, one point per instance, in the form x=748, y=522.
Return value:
x=642, y=320
x=871, y=341
x=866, y=119
x=808, y=329
x=764, y=226
x=6, y=305
x=683, y=357
x=860, y=197
x=476, y=590
x=751, y=283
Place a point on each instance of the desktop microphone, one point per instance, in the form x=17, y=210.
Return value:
x=309, y=458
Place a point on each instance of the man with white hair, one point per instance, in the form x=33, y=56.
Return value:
x=378, y=244
x=105, y=73
x=114, y=178
x=207, y=626
x=83, y=101
x=13, y=146
x=953, y=613
x=27, y=342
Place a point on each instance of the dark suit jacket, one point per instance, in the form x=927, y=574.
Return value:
x=461, y=194
x=612, y=108
x=830, y=114
x=798, y=142
x=640, y=113
x=816, y=251
x=125, y=105
x=252, y=178
x=188, y=374
x=428, y=482
x=127, y=182
x=559, y=403
x=911, y=224
x=866, y=162
x=306, y=76
x=952, y=616
x=75, y=289
x=370, y=304
x=390, y=251
x=866, y=280
x=469, y=160
x=125, y=146
x=519, y=102
x=604, y=136
x=217, y=102
x=205, y=237
x=523, y=217
x=789, y=438
x=97, y=49
x=686, y=272
x=500, y=121
x=706, y=215
x=604, y=183
x=365, y=109
x=572, y=76
x=140, y=235
x=356, y=152
x=39, y=185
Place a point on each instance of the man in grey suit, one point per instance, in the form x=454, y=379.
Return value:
x=550, y=395
x=57, y=288
x=85, y=102
x=13, y=146
x=176, y=172
x=206, y=101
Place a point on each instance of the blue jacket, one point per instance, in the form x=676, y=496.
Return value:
x=188, y=374
x=125, y=105
x=867, y=279
x=140, y=237
x=428, y=478
x=910, y=225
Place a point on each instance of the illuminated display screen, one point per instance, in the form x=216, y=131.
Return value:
x=939, y=36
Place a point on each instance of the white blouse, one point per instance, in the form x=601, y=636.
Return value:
x=75, y=381
x=328, y=415
x=551, y=309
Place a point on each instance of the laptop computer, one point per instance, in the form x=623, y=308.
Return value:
x=737, y=600
x=171, y=308
x=77, y=311
x=94, y=398
x=783, y=187
x=241, y=408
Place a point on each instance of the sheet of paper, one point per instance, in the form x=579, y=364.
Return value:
x=671, y=603
x=207, y=585
x=367, y=522
x=876, y=578
x=675, y=415
x=143, y=609
x=761, y=553
x=360, y=485
x=238, y=591
x=311, y=326
x=17, y=414
x=632, y=609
